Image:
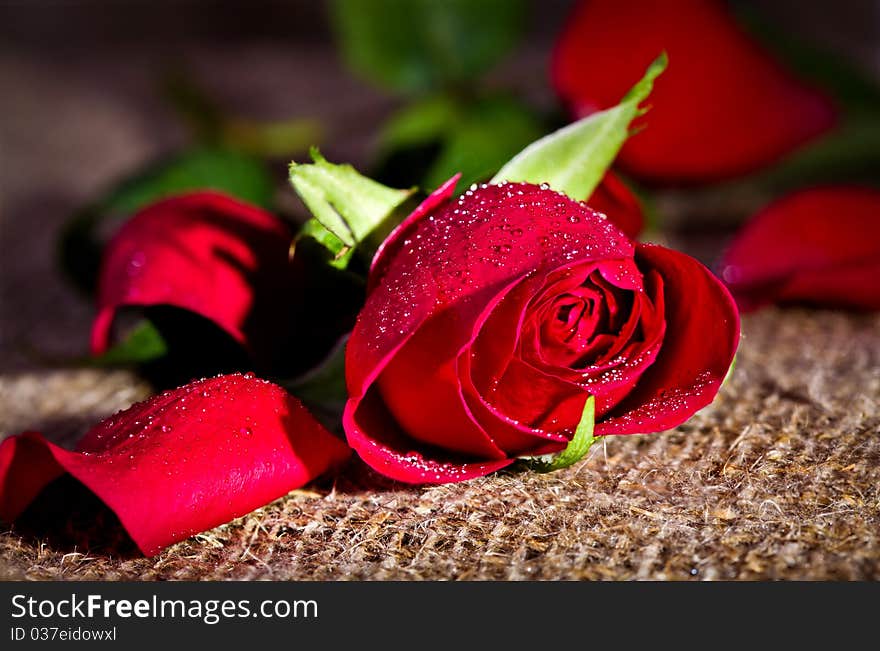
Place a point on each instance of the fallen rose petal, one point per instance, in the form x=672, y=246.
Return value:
x=183, y=461
x=724, y=107
x=819, y=246
x=207, y=253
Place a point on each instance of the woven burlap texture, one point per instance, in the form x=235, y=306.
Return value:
x=777, y=479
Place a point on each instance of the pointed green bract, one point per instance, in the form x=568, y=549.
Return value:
x=324, y=385
x=143, y=344
x=574, y=159
x=340, y=253
x=729, y=373
x=579, y=445
x=346, y=203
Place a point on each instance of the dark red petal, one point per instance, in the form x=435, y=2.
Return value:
x=503, y=319
x=375, y=436
x=432, y=409
x=723, y=107
x=702, y=334
x=511, y=389
x=452, y=262
x=613, y=198
x=183, y=461
x=395, y=239
x=204, y=252
x=820, y=246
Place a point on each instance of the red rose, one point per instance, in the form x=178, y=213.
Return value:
x=228, y=262
x=819, y=246
x=724, y=107
x=492, y=318
x=204, y=252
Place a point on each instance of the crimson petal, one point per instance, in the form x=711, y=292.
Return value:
x=819, y=246
x=377, y=439
x=204, y=252
x=724, y=107
x=183, y=461
x=702, y=334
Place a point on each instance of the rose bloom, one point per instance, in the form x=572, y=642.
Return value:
x=490, y=319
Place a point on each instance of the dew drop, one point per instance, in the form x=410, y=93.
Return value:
x=135, y=264
x=731, y=274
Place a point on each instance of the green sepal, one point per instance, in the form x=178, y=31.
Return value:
x=574, y=159
x=579, y=445
x=143, y=344
x=729, y=373
x=340, y=253
x=324, y=385
x=349, y=209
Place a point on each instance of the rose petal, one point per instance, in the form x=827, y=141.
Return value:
x=819, y=246
x=504, y=313
x=417, y=404
x=510, y=383
x=183, y=461
x=204, y=252
x=724, y=106
x=692, y=363
x=375, y=436
x=393, y=242
x=613, y=198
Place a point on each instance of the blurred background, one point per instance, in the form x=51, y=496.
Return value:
x=94, y=93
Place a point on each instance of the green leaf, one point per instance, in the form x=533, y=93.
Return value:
x=211, y=125
x=421, y=122
x=340, y=253
x=579, y=445
x=574, y=159
x=324, y=386
x=474, y=137
x=143, y=344
x=849, y=153
x=270, y=139
x=228, y=171
x=420, y=45
x=234, y=173
x=349, y=207
x=489, y=133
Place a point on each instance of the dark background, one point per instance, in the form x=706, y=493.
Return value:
x=81, y=105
